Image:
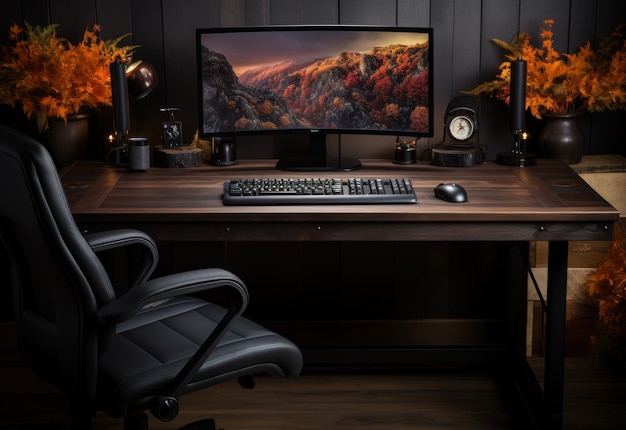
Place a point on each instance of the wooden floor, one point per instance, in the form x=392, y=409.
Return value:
x=348, y=399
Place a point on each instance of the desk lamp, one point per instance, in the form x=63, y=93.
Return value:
x=141, y=78
x=137, y=81
x=518, y=155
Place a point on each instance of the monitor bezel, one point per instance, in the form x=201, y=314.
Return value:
x=315, y=131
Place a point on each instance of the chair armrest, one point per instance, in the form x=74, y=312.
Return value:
x=112, y=239
x=162, y=288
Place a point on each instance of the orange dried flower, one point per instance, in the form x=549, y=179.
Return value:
x=607, y=286
x=586, y=80
x=51, y=77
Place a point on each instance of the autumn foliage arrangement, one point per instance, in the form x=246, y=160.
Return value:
x=587, y=80
x=51, y=77
x=607, y=288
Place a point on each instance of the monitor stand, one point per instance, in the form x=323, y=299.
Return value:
x=317, y=160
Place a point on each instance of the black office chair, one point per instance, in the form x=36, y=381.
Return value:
x=122, y=355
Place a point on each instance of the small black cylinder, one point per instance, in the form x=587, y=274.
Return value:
x=518, y=95
x=138, y=153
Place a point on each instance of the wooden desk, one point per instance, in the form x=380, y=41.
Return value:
x=546, y=202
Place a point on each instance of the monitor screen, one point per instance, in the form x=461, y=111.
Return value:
x=320, y=79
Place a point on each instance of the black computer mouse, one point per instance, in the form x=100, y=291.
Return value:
x=451, y=192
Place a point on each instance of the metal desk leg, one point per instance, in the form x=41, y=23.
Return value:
x=555, y=334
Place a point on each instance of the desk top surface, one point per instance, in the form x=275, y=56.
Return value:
x=547, y=192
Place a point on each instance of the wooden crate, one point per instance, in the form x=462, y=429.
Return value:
x=607, y=175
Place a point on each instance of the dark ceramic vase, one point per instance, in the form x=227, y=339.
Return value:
x=67, y=142
x=561, y=138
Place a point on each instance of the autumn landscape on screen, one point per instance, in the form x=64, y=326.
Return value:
x=385, y=88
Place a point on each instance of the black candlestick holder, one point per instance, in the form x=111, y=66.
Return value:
x=518, y=155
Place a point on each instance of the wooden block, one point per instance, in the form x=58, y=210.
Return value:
x=607, y=175
x=178, y=157
x=582, y=254
x=600, y=163
x=610, y=185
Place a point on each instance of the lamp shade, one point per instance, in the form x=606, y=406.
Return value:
x=142, y=78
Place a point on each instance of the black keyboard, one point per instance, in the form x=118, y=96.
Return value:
x=318, y=191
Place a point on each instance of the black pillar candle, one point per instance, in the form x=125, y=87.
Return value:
x=518, y=95
x=119, y=90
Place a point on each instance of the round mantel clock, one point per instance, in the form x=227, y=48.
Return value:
x=461, y=126
x=460, y=145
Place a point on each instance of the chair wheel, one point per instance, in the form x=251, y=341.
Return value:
x=165, y=408
x=247, y=382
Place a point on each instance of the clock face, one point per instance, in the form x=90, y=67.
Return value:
x=461, y=127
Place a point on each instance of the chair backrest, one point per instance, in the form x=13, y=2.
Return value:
x=58, y=281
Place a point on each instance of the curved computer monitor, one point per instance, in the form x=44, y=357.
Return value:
x=318, y=79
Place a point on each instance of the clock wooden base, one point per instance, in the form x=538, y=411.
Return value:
x=458, y=155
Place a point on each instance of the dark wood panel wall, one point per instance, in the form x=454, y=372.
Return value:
x=418, y=278
x=464, y=55
x=337, y=280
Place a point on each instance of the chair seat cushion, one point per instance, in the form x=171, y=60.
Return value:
x=148, y=351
